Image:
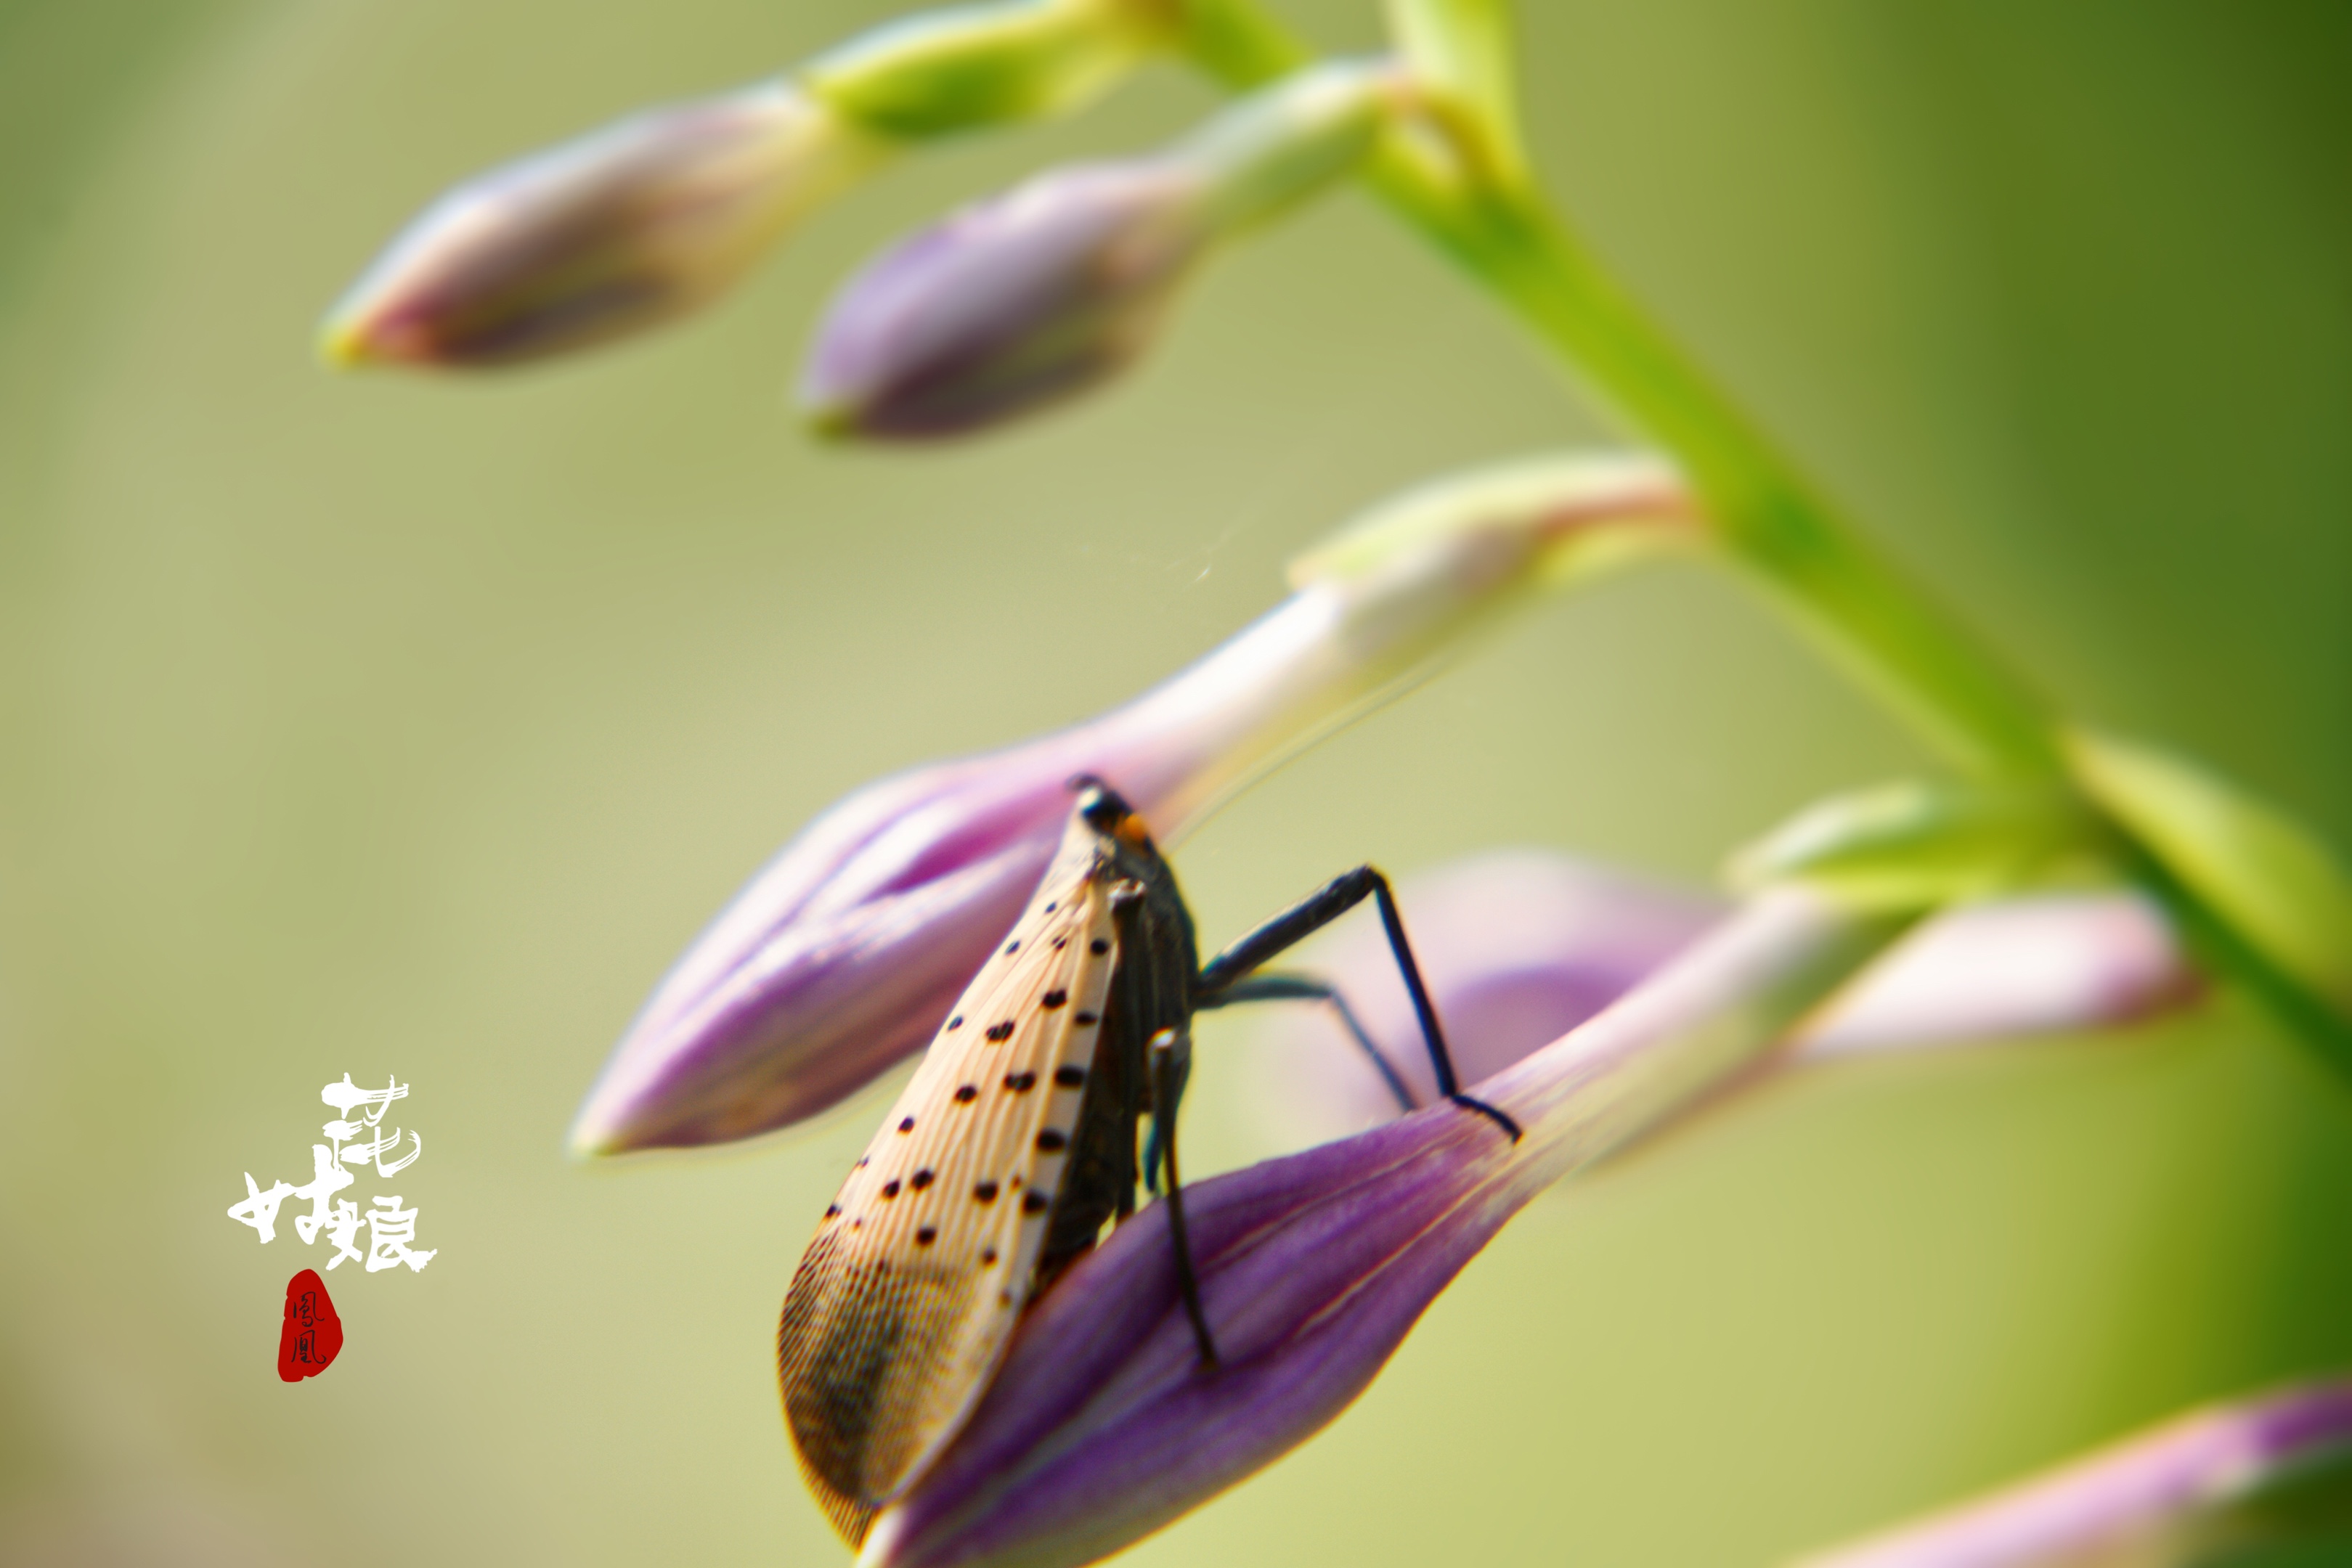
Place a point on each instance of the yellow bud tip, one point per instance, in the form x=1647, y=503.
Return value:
x=341, y=345
x=360, y=333
x=590, y=1143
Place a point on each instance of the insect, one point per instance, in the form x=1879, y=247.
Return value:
x=1015, y=1142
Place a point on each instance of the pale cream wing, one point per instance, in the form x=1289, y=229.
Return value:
x=905, y=1299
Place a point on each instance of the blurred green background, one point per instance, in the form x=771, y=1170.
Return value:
x=378, y=725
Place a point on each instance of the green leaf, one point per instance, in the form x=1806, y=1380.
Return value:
x=2279, y=888
x=1914, y=846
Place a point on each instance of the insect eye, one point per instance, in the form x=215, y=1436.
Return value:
x=1100, y=804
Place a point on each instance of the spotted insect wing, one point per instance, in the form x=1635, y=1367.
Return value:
x=905, y=1301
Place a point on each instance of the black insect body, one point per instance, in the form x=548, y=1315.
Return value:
x=1015, y=1144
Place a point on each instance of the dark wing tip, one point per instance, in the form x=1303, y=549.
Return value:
x=861, y=1355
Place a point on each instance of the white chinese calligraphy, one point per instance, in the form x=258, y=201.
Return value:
x=390, y=1229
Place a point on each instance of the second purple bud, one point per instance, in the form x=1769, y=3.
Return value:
x=1037, y=294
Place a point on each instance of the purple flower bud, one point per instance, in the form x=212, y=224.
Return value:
x=1007, y=306
x=2044, y=963
x=1517, y=946
x=2173, y=1495
x=845, y=954
x=618, y=230
x=1038, y=293
x=1101, y=1426
x=1520, y=947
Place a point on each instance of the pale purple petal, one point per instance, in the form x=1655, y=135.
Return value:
x=605, y=234
x=2153, y=1495
x=843, y=955
x=1519, y=946
x=1007, y=306
x=1036, y=294
x=1101, y=1427
x=2036, y=965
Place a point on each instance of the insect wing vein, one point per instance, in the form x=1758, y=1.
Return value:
x=906, y=1297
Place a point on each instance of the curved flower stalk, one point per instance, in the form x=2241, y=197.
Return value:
x=2193, y=1491
x=1042, y=292
x=1101, y=1427
x=2263, y=899
x=649, y=217
x=964, y=67
x=2273, y=896
x=1519, y=946
x=842, y=957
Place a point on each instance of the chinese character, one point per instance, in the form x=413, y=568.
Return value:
x=390, y=1230
x=328, y=1179
x=310, y=1335
x=355, y=1138
x=339, y=1231
x=346, y=1096
x=360, y=1154
x=259, y=1208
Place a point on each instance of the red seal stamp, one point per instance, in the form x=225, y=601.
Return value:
x=312, y=1333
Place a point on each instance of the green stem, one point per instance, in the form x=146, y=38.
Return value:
x=1884, y=628
x=1880, y=626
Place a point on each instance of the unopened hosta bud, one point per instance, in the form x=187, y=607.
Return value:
x=1518, y=946
x=843, y=955
x=618, y=230
x=632, y=224
x=1101, y=1426
x=1042, y=292
x=1006, y=307
x=2261, y=1480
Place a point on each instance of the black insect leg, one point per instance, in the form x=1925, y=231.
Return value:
x=1306, y=988
x=1310, y=914
x=1171, y=1066
x=1172, y=1062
